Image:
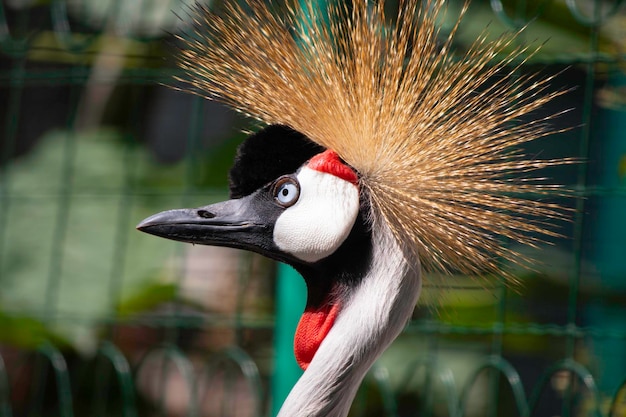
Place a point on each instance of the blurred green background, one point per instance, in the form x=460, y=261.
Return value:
x=97, y=319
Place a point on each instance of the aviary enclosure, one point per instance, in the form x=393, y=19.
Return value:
x=97, y=319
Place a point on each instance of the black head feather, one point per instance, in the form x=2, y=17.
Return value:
x=266, y=155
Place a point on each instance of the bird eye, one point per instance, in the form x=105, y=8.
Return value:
x=287, y=191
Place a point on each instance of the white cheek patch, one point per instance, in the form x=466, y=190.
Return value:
x=321, y=219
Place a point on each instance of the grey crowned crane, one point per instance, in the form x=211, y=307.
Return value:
x=298, y=204
x=382, y=156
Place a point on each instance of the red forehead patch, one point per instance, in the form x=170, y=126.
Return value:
x=329, y=162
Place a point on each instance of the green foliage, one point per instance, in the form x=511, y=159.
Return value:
x=27, y=332
x=147, y=298
x=70, y=248
x=547, y=23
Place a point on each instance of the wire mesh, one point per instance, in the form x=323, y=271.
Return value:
x=98, y=320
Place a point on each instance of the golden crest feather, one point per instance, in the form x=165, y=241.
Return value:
x=433, y=136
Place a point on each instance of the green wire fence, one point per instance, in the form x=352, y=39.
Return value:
x=97, y=319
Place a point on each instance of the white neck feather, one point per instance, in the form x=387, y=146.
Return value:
x=370, y=319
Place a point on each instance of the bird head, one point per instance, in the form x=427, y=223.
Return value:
x=292, y=201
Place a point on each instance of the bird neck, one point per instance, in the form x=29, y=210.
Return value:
x=372, y=314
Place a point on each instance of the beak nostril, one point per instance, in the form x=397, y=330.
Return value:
x=205, y=214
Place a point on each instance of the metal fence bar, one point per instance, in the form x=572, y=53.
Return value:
x=55, y=360
x=112, y=354
x=5, y=404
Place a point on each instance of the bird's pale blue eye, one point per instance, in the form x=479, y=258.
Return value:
x=286, y=191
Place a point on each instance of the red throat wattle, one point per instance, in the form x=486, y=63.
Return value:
x=313, y=327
